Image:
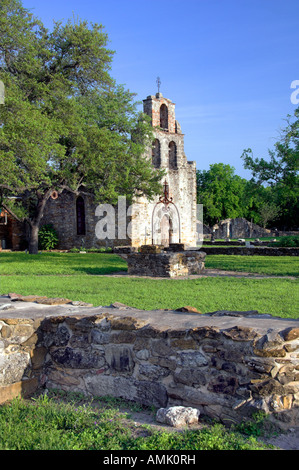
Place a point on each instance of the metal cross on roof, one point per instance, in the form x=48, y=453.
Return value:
x=158, y=81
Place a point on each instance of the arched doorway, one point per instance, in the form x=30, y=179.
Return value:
x=166, y=230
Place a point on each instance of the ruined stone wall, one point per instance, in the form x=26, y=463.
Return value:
x=239, y=228
x=61, y=213
x=253, y=251
x=227, y=364
x=21, y=357
x=12, y=234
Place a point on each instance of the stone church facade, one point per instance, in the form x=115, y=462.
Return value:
x=76, y=217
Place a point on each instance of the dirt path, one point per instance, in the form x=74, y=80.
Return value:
x=208, y=273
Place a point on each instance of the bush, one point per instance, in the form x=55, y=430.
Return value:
x=47, y=237
x=287, y=241
x=74, y=250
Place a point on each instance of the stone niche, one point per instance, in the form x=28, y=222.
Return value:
x=158, y=261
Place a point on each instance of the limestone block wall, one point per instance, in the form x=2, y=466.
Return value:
x=226, y=364
x=21, y=357
x=227, y=373
x=166, y=264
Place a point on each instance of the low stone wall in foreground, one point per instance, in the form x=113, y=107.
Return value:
x=228, y=365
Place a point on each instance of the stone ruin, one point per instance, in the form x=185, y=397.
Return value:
x=227, y=365
x=160, y=261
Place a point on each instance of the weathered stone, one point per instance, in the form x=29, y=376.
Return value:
x=6, y=331
x=161, y=348
x=37, y=356
x=151, y=393
x=178, y=416
x=31, y=341
x=164, y=362
x=125, y=336
x=99, y=336
x=79, y=303
x=290, y=334
x=192, y=359
x=206, y=332
x=152, y=372
x=235, y=313
x=122, y=387
x=270, y=345
x=32, y=298
x=267, y=387
x=279, y=403
x=143, y=354
x=62, y=378
x=190, y=377
x=68, y=357
x=53, y=301
x=127, y=323
x=224, y=385
x=120, y=306
x=184, y=343
x=61, y=337
x=13, y=367
x=240, y=333
x=79, y=341
x=119, y=358
x=22, y=388
x=14, y=296
x=188, y=309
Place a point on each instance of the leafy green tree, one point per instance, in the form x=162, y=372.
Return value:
x=221, y=192
x=280, y=173
x=65, y=123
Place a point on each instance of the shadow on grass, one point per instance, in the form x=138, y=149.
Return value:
x=101, y=271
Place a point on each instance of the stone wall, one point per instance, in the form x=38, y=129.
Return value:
x=155, y=262
x=252, y=251
x=239, y=228
x=21, y=357
x=226, y=364
x=61, y=213
x=13, y=234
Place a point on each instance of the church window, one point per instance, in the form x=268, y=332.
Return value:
x=173, y=164
x=156, y=154
x=164, y=117
x=80, y=210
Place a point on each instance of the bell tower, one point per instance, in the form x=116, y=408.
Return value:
x=167, y=152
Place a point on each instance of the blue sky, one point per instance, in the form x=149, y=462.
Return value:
x=227, y=64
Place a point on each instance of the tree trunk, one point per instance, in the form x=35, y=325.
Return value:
x=33, y=242
x=35, y=223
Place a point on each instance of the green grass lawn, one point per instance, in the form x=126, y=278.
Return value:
x=50, y=424
x=82, y=277
x=269, y=265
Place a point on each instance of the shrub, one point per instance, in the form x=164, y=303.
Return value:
x=287, y=241
x=47, y=237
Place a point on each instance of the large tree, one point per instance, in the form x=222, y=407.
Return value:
x=221, y=192
x=279, y=172
x=65, y=123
